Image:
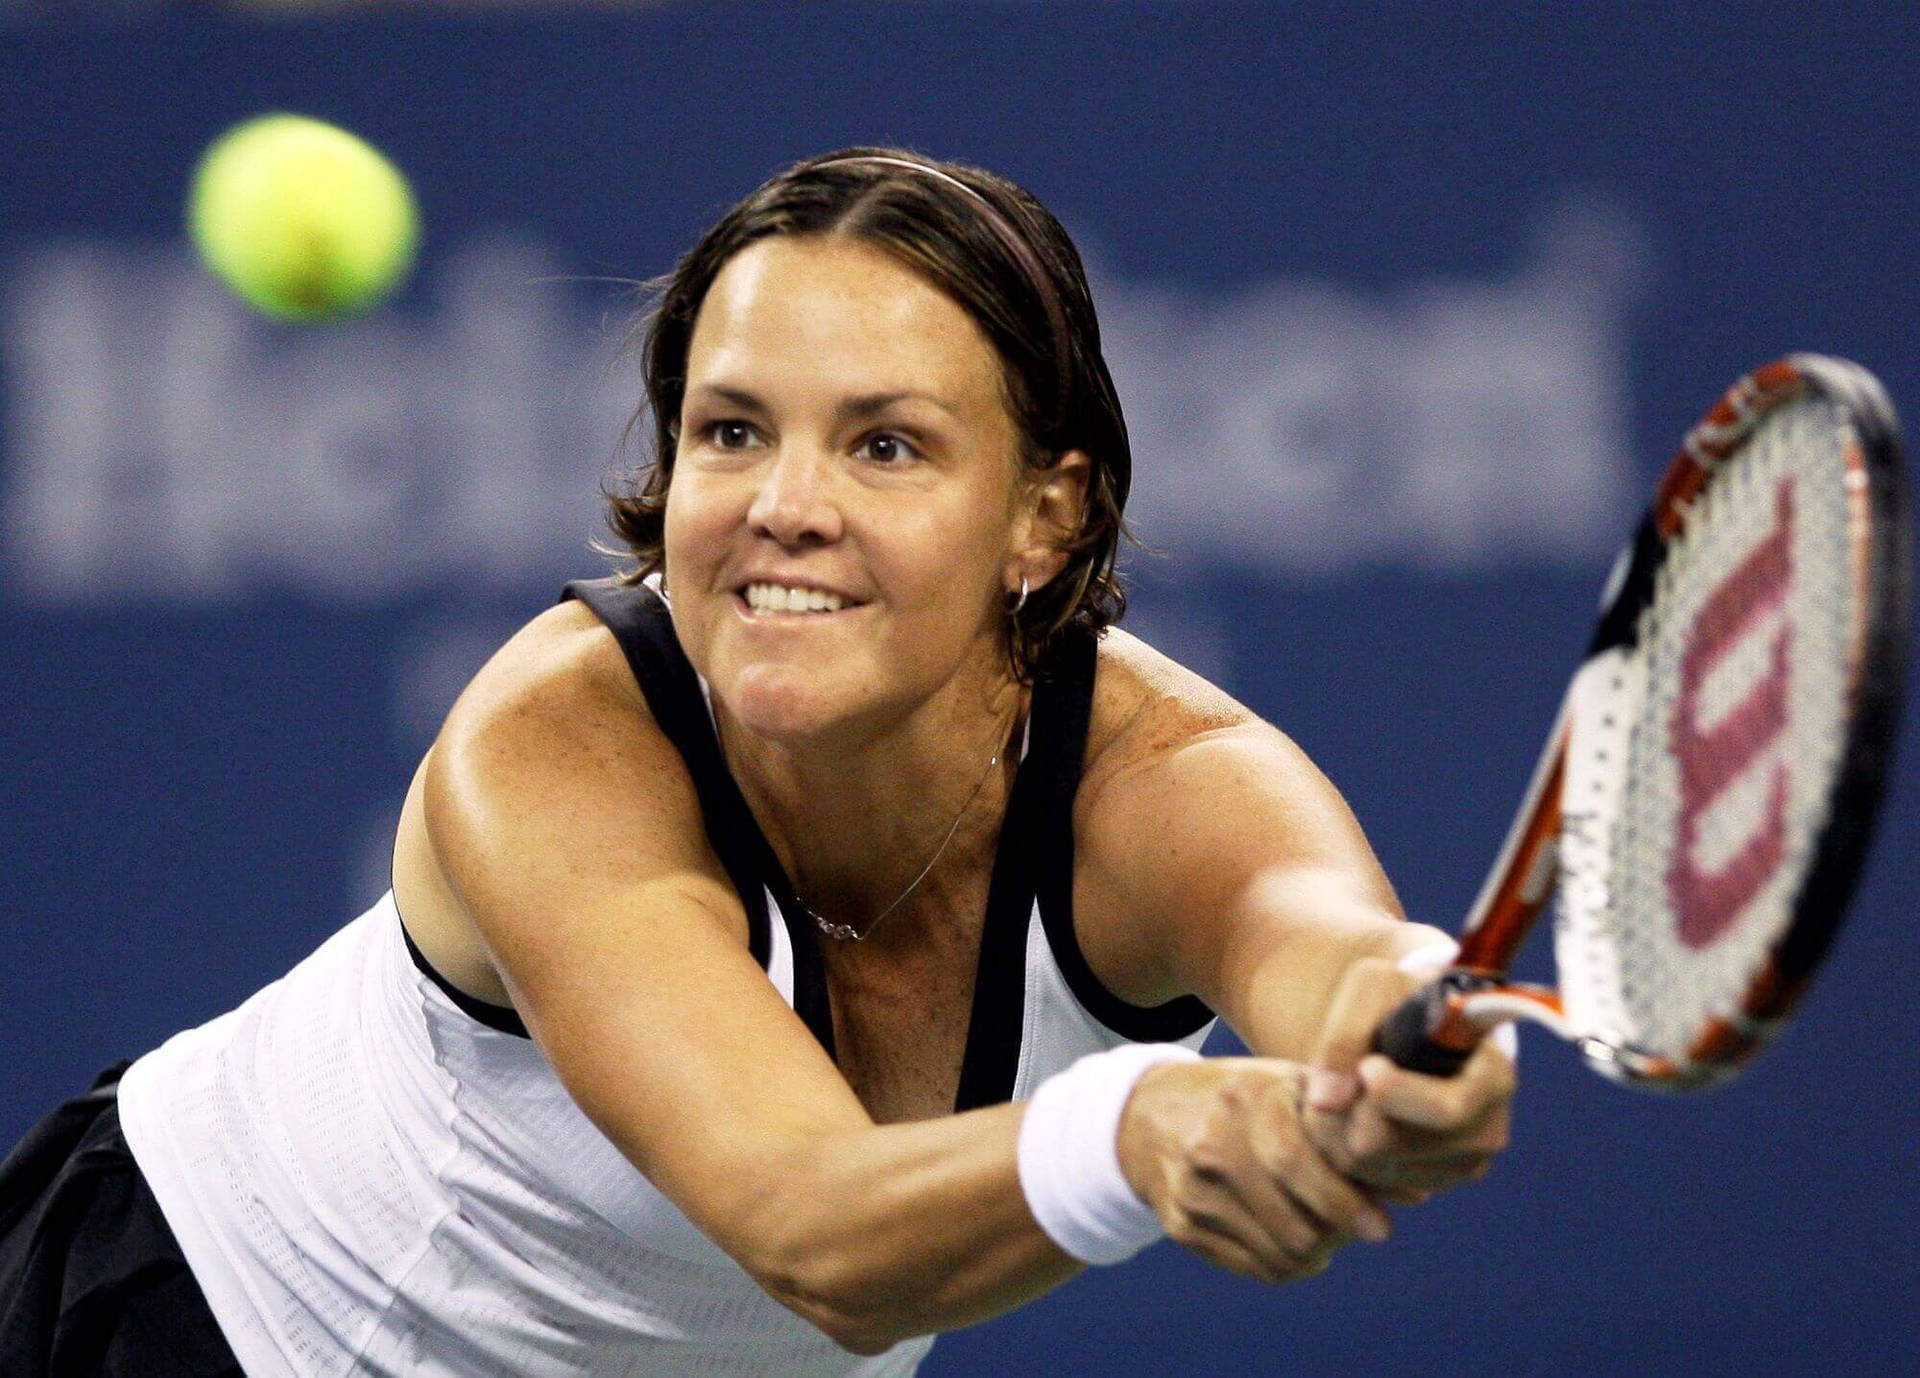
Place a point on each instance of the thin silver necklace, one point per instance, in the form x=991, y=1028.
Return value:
x=846, y=932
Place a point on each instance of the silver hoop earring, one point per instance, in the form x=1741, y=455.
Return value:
x=1021, y=601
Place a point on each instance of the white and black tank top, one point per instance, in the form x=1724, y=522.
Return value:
x=371, y=1171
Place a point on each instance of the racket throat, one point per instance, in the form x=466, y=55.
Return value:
x=1494, y=1004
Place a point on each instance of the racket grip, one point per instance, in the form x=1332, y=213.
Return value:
x=1425, y=1033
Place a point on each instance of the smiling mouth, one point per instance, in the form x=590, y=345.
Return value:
x=784, y=598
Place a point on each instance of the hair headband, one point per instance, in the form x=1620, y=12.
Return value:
x=1017, y=246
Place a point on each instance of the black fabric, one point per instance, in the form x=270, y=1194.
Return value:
x=640, y=622
x=998, y=1018
x=1060, y=721
x=92, y=1281
x=1041, y=802
x=503, y=1018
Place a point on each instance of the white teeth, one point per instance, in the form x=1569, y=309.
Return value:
x=781, y=598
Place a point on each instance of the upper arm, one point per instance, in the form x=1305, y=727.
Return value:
x=1219, y=861
x=568, y=830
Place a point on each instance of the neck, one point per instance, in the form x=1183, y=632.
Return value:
x=855, y=819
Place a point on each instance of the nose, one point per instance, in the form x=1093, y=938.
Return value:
x=795, y=502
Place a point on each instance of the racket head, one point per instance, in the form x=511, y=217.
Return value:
x=1729, y=735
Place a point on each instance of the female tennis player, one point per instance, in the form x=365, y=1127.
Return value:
x=798, y=943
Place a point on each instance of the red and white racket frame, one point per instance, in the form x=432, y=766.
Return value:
x=1438, y=1027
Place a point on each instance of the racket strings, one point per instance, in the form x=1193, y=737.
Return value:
x=1734, y=710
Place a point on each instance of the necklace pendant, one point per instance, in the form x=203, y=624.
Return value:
x=846, y=932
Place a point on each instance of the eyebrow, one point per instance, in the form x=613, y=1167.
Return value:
x=854, y=408
x=873, y=403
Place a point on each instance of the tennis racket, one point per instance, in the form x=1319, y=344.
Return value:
x=1708, y=791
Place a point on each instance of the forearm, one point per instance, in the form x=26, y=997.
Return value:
x=1277, y=985
x=873, y=1233
x=899, y=1230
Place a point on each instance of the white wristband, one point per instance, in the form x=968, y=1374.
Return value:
x=1437, y=956
x=1069, y=1164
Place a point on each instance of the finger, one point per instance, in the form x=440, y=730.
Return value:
x=1367, y=994
x=1294, y=1167
x=1399, y=1196
x=1289, y=1234
x=1387, y=1152
x=1484, y=1085
x=1275, y=1233
x=1331, y=1092
x=1367, y=1133
x=1223, y=1251
x=1388, y=1157
x=1221, y=1189
x=1438, y=1174
x=1337, y=1204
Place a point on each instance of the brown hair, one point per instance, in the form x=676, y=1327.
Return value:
x=1004, y=259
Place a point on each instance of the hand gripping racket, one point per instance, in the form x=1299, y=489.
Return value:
x=1708, y=791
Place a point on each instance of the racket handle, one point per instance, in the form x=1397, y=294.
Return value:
x=1427, y=1033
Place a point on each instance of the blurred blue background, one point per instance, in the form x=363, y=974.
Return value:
x=1407, y=305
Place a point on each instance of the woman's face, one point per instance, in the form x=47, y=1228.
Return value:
x=846, y=510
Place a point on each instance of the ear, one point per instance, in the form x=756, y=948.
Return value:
x=1053, y=505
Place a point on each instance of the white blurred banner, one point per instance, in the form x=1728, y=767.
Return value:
x=162, y=443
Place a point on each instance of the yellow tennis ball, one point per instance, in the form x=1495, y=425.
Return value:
x=302, y=219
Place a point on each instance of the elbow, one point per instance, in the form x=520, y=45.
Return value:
x=842, y=1260
x=839, y=1300
x=864, y=1341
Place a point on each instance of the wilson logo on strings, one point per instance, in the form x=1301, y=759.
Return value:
x=1716, y=755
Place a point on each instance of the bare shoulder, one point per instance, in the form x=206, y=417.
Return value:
x=544, y=738
x=1146, y=705
x=565, y=659
x=1189, y=802
x=549, y=790
x=1163, y=737
x=552, y=744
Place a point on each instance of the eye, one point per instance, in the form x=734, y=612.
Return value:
x=884, y=447
x=730, y=435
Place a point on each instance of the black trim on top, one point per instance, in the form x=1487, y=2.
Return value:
x=996, y=1024
x=640, y=621
x=500, y=1018
x=1060, y=721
